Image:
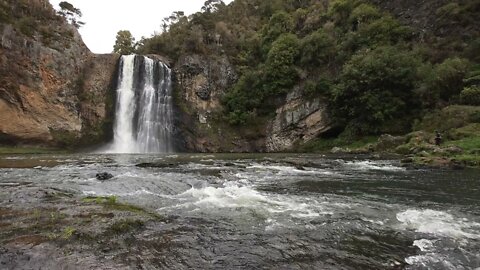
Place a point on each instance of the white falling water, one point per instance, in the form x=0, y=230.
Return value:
x=143, y=118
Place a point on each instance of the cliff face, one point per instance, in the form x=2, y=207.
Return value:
x=38, y=88
x=52, y=89
x=297, y=121
x=201, y=82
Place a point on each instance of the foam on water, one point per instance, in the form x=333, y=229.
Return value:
x=424, y=244
x=373, y=165
x=288, y=169
x=439, y=223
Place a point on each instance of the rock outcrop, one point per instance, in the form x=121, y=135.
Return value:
x=97, y=98
x=297, y=122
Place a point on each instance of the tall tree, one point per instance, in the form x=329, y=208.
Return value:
x=71, y=13
x=124, y=43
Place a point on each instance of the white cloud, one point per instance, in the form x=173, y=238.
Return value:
x=104, y=18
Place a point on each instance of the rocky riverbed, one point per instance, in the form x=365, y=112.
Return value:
x=277, y=211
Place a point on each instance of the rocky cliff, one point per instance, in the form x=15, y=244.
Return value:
x=201, y=83
x=297, y=121
x=52, y=88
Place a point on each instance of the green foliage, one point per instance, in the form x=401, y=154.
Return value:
x=449, y=77
x=326, y=144
x=124, y=43
x=243, y=98
x=383, y=31
x=71, y=13
x=280, y=73
x=340, y=10
x=364, y=13
x=68, y=232
x=316, y=88
x=27, y=26
x=317, y=48
x=376, y=87
x=470, y=96
x=280, y=23
x=449, y=10
x=451, y=117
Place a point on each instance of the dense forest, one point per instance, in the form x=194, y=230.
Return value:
x=378, y=66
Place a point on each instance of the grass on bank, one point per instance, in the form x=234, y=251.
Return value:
x=323, y=145
x=471, y=147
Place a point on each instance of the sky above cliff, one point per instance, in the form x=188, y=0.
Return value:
x=142, y=17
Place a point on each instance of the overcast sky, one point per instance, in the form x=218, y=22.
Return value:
x=104, y=18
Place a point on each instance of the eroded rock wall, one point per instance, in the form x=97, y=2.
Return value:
x=38, y=88
x=297, y=121
x=53, y=90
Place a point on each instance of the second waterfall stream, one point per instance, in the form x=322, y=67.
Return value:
x=143, y=112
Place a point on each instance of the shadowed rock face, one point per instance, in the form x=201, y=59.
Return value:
x=200, y=84
x=297, y=121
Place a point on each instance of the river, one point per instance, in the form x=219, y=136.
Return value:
x=281, y=211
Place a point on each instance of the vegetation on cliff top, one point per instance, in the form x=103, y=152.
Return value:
x=374, y=69
x=38, y=20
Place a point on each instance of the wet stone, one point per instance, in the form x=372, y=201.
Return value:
x=104, y=176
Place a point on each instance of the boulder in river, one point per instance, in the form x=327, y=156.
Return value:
x=104, y=176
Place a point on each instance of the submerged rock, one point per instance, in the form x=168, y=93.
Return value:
x=104, y=176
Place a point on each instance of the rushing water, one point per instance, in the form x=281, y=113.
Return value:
x=143, y=118
x=260, y=211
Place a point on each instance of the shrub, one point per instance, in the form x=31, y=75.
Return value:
x=27, y=26
x=316, y=48
x=375, y=87
x=471, y=96
x=449, y=77
x=280, y=73
x=317, y=88
x=280, y=23
x=364, y=13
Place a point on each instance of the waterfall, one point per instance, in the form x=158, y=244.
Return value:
x=143, y=116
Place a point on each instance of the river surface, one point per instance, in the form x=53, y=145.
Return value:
x=283, y=211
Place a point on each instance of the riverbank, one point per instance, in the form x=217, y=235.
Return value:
x=8, y=150
x=459, y=127
x=56, y=229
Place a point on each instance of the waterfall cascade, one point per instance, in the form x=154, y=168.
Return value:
x=143, y=117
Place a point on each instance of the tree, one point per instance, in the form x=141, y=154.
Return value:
x=71, y=13
x=317, y=48
x=280, y=72
x=212, y=5
x=376, y=86
x=124, y=43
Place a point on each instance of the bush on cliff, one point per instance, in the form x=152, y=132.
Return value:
x=376, y=87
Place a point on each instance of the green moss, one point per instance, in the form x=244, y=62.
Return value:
x=467, y=144
x=65, y=138
x=125, y=226
x=471, y=160
x=111, y=203
x=68, y=232
x=321, y=145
